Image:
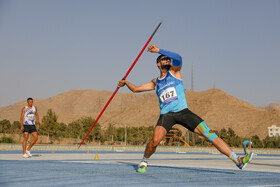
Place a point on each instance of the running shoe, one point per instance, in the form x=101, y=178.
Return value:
x=25, y=156
x=28, y=153
x=244, y=160
x=142, y=167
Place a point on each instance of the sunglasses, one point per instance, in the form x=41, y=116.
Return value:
x=165, y=58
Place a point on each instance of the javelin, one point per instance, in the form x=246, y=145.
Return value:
x=119, y=87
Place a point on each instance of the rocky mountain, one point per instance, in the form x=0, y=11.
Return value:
x=217, y=108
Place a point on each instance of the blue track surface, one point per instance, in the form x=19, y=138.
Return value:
x=123, y=173
x=57, y=173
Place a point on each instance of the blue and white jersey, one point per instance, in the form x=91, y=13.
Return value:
x=171, y=94
x=29, y=116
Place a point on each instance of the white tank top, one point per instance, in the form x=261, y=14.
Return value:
x=29, y=116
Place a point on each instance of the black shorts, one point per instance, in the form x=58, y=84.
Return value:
x=184, y=117
x=29, y=128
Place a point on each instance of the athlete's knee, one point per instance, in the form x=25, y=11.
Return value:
x=155, y=141
x=35, y=139
x=207, y=131
x=25, y=138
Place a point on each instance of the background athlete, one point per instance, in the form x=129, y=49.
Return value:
x=174, y=109
x=29, y=115
x=245, y=144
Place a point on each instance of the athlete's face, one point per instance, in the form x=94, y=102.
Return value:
x=30, y=102
x=165, y=62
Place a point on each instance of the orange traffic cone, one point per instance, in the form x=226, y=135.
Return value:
x=96, y=157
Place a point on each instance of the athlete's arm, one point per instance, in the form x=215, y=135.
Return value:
x=142, y=88
x=21, y=118
x=176, y=58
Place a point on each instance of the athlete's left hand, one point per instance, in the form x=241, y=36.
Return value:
x=153, y=49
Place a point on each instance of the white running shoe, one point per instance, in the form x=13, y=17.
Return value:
x=25, y=156
x=28, y=153
x=142, y=167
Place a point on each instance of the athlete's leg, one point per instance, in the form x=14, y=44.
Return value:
x=203, y=130
x=244, y=147
x=159, y=134
x=24, y=142
x=34, y=140
x=220, y=144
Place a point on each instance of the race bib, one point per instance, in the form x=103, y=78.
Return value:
x=30, y=117
x=168, y=95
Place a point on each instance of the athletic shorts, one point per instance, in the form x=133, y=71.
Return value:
x=184, y=117
x=29, y=128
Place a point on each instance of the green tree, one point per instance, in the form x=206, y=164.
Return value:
x=223, y=134
x=5, y=126
x=111, y=133
x=233, y=139
x=139, y=135
x=256, y=142
x=75, y=129
x=62, y=130
x=120, y=134
x=6, y=140
x=86, y=124
x=80, y=127
x=271, y=142
x=97, y=133
x=16, y=127
x=50, y=125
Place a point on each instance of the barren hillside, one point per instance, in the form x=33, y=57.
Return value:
x=273, y=106
x=217, y=108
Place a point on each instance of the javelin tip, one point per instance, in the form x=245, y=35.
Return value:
x=156, y=29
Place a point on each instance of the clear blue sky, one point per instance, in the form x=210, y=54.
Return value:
x=50, y=47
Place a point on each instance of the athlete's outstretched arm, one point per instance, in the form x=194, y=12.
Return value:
x=177, y=59
x=142, y=88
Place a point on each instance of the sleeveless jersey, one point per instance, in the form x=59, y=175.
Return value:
x=29, y=116
x=171, y=94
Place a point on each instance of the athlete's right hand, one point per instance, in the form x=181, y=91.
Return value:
x=121, y=83
x=21, y=128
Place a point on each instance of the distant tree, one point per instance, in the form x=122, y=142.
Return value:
x=271, y=142
x=257, y=143
x=97, y=133
x=62, y=130
x=121, y=134
x=233, y=139
x=50, y=125
x=86, y=124
x=223, y=134
x=6, y=140
x=16, y=127
x=111, y=133
x=139, y=135
x=5, y=126
x=75, y=129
